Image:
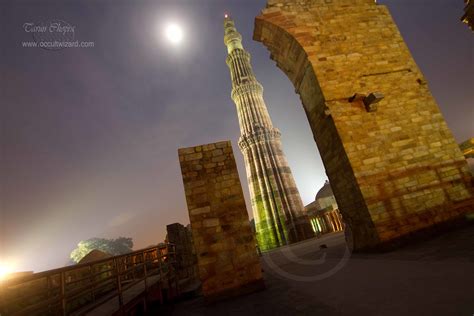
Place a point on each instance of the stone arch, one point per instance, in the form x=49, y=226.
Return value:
x=292, y=59
x=391, y=190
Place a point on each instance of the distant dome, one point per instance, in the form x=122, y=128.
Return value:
x=325, y=191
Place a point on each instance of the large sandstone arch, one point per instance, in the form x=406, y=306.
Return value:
x=394, y=170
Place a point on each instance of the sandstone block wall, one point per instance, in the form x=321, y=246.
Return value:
x=225, y=245
x=396, y=170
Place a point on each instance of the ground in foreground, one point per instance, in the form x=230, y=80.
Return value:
x=434, y=277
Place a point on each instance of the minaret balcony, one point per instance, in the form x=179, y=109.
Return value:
x=259, y=134
x=248, y=87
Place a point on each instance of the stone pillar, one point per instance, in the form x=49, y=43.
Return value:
x=186, y=261
x=392, y=161
x=225, y=245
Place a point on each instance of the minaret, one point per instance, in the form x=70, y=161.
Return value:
x=276, y=202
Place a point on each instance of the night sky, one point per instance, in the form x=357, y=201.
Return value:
x=90, y=135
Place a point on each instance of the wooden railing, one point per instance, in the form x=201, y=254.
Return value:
x=78, y=289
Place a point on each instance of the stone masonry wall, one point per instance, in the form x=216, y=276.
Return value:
x=395, y=170
x=186, y=261
x=224, y=243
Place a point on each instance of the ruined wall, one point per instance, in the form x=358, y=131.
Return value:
x=395, y=169
x=225, y=245
x=186, y=261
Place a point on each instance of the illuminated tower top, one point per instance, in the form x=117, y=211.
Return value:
x=232, y=38
x=247, y=92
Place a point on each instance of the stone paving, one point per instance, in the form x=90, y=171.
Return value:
x=434, y=277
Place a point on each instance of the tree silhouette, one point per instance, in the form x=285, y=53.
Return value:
x=114, y=247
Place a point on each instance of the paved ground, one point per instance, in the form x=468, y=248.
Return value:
x=434, y=277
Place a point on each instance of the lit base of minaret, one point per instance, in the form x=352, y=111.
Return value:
x=276, y=203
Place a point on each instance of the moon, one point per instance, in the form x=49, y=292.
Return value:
x=174, y=33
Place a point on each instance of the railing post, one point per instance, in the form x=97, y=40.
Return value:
x=63, y=292
x=160, y=257
x=48, y=286
x=92, y=280
x=145, y=272
x=119, y=285
x=132, y=266
x=145, y=307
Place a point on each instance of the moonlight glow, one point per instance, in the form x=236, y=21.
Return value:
x=174, y=33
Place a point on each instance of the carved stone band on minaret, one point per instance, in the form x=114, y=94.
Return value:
x=247, y=88
x=247, y=140
x=276, y=203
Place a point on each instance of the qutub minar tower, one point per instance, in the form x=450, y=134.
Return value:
x=276, y=202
